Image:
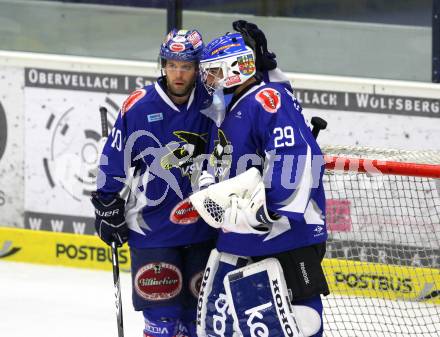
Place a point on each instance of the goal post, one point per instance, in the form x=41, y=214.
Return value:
x=383, y=252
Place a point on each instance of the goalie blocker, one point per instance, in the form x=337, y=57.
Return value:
x=257, y=297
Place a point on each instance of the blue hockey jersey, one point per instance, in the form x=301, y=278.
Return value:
x=265, y=129
x=152, y=151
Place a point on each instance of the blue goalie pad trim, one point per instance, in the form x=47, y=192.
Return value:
x=213, y=314
x=259, y=300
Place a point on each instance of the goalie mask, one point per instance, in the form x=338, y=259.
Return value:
x=226, y=62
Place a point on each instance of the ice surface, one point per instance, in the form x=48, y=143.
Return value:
x=45, y=301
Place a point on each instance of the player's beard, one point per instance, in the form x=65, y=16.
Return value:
x=180, y=92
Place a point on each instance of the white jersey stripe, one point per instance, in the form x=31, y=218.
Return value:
x=298, y=201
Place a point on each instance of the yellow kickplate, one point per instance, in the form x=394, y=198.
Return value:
x=63, y=249
x=385, y=281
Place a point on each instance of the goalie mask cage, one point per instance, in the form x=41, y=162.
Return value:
x=383, y=252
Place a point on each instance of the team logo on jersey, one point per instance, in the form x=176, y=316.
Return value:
x=134, y=97
x=221, y=156
x=270, y=99
x=184, y=213
x=158, y=281
x=246, y=64
x=184, y=154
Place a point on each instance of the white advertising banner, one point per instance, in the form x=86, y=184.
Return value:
x=11, y=145
x=63, y=130
x=364, y=119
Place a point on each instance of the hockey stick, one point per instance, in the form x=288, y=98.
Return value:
x=115, y=261
x=318, y=125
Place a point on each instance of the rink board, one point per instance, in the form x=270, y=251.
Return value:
x=384, y=281
x=345, y=277
x=71, y=250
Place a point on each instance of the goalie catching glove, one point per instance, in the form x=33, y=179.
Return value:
x=236, y=205
x=110, y=219
x=255, y=38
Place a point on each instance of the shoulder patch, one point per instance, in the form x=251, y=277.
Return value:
x=270, y=99
x=134, y=97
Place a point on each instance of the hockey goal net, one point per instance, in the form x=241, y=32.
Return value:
x=383, y=252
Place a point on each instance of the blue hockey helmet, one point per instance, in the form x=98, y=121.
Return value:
x=227, y=62
x=182, y=45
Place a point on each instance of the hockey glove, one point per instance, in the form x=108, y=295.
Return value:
x=248, y=215
x=236, y=205
x=255, y=38
x=110, y=220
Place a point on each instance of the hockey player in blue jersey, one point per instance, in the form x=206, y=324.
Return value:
x=265, y=277
x=153, y=149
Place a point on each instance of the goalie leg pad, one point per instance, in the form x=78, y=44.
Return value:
x=213, y=317
x=259, y=300
x=308, y=314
